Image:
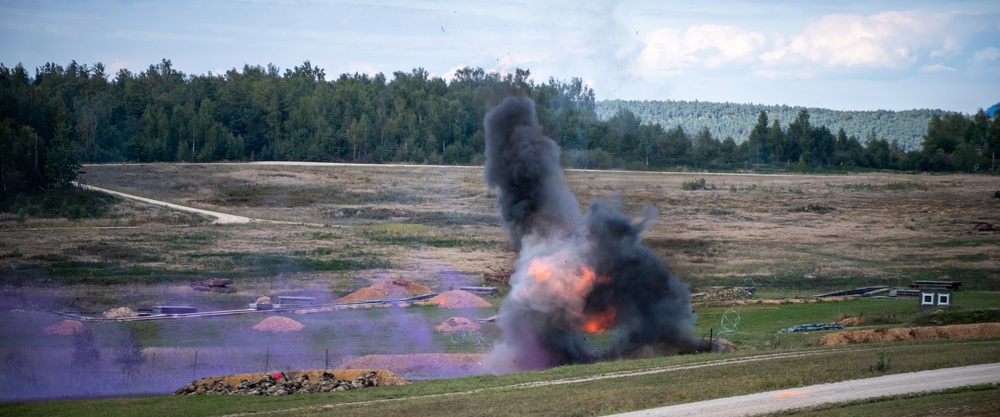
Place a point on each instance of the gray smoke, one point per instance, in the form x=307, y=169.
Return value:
x=585, y=288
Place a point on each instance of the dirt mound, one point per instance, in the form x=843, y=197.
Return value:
x=386, y=289
x=65, y=327
x=457, y=299
x=850, y=321
x=456, y=324
x=278, y=324
x=263, y=300
x=956, y=331
x=381, y=378
x=422, y=365
x=868, y=320
x=120, y=312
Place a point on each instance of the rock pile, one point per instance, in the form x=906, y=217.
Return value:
x=386, y=289
x=120, y=312
x=280, y=384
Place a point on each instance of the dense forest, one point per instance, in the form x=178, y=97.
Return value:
x=906, y=128
x=60, y=117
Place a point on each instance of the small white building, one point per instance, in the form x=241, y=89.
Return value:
x=935, y=293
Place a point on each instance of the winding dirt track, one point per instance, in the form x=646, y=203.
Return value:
x=220, y=218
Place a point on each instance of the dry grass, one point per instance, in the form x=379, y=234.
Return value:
x=794, y=234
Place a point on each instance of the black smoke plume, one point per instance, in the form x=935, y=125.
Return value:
x=585, y=288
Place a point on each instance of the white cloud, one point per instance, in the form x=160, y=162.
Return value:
x=702, y=46
x=884, y=40
x=937, y=68
x=988, y=54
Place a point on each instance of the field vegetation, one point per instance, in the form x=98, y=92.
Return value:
x=337, y=228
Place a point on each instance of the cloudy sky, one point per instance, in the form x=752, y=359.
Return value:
x=845, y=54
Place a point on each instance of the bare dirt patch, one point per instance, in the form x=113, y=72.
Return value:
x=956, y=331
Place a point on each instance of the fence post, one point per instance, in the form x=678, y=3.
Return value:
x=267, y=359
x=326, y=365
x=194, y=370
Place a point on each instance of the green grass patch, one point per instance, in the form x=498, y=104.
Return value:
x=503, y=394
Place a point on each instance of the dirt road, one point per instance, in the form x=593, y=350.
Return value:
x=858, y=389
x=220, y=218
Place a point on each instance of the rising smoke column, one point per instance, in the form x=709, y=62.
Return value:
x=577, y=275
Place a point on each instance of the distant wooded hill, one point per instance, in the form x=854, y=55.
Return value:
x=907, y=128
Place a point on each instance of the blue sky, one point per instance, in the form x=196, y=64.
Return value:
x=844, y=55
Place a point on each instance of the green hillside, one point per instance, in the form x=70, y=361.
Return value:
x=737, y=120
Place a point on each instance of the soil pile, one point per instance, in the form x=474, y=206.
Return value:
x=457, y=299
x=263, y=300
x=422, y=365
x=956, y=331
x=120, y=312
x=868, y=320
x=386, y=289
x=65, y=327
x=278, y=324
x=456, y=324
x=292, y=382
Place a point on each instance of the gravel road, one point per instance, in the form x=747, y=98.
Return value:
x=858, y=389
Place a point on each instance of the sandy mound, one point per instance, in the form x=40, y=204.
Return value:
x=457, y=299
x=263, y=300
x=64, y=327
x=386, y=289
x=120, y=312
x=422, y=365
x=384, y=377
x=456, y=324
x=956, y=331
x=278, y=324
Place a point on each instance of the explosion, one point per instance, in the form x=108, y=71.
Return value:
x=585, y=288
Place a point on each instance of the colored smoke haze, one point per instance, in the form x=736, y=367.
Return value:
x=578, y=275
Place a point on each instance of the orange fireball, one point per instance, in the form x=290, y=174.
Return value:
x=600, y=321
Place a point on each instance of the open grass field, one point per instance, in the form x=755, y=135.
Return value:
x=347, y=226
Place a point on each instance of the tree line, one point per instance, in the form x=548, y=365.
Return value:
x=52, y=121
x=737, y=120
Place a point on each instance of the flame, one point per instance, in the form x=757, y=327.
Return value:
x=570, y=282
x=599, y=321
